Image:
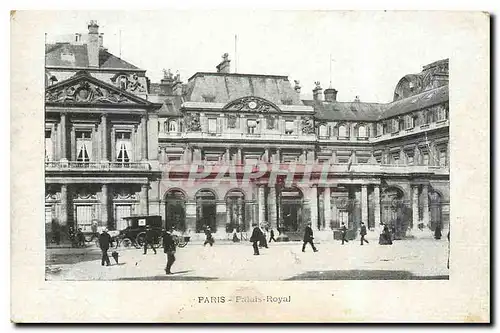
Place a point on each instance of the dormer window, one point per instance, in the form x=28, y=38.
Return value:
x=401, y=124
x=323, y=131
x=289, y=127
x=251, y=126
x=172, y=126
x=362, y=133
x=342, y=131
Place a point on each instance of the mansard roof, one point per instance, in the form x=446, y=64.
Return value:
x=420, y=101
x=77, y=57
x=226, y=87
x=348, y=111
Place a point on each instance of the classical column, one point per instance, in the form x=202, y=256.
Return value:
x=267, y=155
x=104, y=137
x=272, y=207
x=278, y=155
x=104, y=205
x=144, y=138
x=64, y=205
x=239, y=158
x=425, y=195
x=414, y=206
x=376, y=199
x=144, y=199
x=64, y=150
x=327, y=206
x=262, y=209
x=364, y=204
x=73, y=143
x=163, y=158
x=228, y=156
x=314, y=207
x=191, y=216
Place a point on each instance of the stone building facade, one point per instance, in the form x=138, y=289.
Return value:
x=229, y=150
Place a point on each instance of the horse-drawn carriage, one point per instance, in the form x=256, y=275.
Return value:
x=135, y=232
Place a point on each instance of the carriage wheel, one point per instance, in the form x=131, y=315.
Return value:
x=140, y=239
x=126, y=242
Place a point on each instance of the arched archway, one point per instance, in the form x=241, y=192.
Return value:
x=290, y=209
x=395, y=211
x=205, y=210
x=175, y=209
x=235, y=210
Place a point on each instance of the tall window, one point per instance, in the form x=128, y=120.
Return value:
x=212, y=125
x=123, y=147
x=172, y=126
x=49, y=148
x=289, y=127
x=342, y=131
x=442, y=158
x=323, y=131
x=401, y=124
x=384, y=128
x=83, y=146
x=425, y=158
x=251, y=126
x=362, y=131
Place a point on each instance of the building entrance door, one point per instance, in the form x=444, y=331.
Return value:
x=122, y=211
x=291, y=207
x=175, y=210
x=205, y=210
x=84, y=216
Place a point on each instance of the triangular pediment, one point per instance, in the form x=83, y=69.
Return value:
x=82, y=88
x=252, y=104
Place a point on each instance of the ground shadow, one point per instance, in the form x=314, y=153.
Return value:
x=355, y=274
x=172, y=277
x=71, y=258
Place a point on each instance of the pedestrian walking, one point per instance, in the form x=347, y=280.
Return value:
x=385, y=237
x=80, y=239
x=271, y=238
x=105, y=242
x=149, y=239
x=362, y=232
x=255, y=239
x=169, y=250
x=343, y=231
x=209, y=238
x=308, y=238
x=263, y=240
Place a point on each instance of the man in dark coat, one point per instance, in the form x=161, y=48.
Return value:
x=209, y=238
x=271, y=238
x=169, y=250
x=308, y=238
x=255, y=239
x=263, y=240
x=362, y=232
x=105, y=242
x=343, y=231
x=149, y=239
x=385, y=236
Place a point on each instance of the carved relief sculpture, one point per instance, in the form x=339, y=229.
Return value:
x=193, y=122
x=308, y=125
x=252, y=104
x=271, y=122
x=231, y=120
x=84, y=92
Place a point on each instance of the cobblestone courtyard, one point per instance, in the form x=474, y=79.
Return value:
x=405, y=259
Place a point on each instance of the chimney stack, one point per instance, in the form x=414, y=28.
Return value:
x=330, y=95
x=318, y=92
x=224, y=66
x=101, y=41
x=93, y=44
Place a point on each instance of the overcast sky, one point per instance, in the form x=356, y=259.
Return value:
x=371, y=51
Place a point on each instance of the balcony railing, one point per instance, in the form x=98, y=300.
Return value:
x=102, y=166
x=299, y=168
